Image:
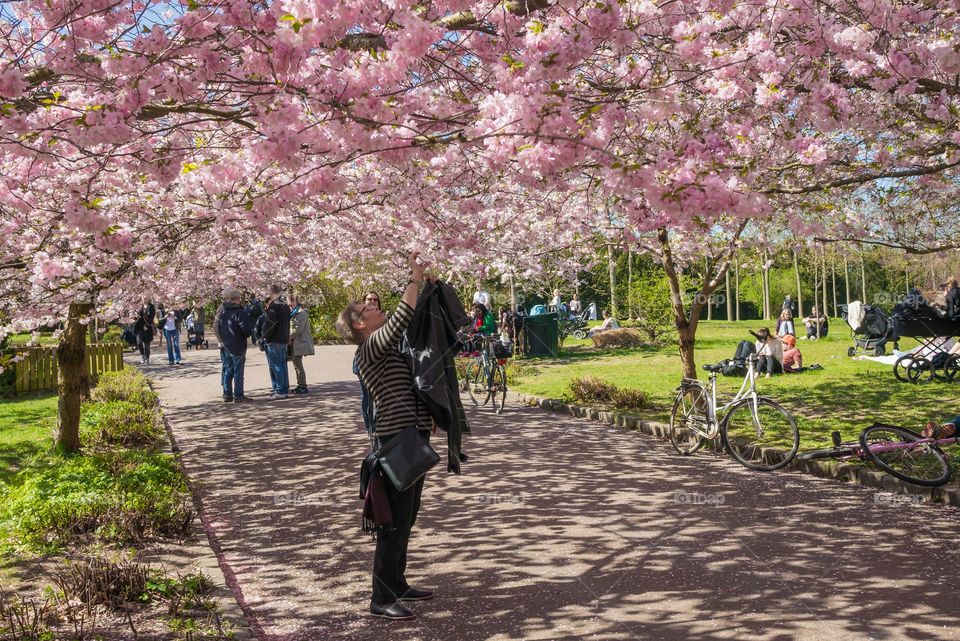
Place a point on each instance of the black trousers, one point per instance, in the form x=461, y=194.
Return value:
x=143, y=345
x=390, y=557
x=769, y=363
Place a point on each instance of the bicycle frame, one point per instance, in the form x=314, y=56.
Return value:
x=748, y=389
x=881, y=448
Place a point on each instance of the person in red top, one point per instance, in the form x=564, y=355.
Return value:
x=792, y=358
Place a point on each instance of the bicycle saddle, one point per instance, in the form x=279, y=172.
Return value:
x=713, y=368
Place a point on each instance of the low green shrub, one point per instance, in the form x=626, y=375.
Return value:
x=589, y=390
x=111, y=423
x=128, y=385
x=123, y=496
x=615, y=338
x=627, y=399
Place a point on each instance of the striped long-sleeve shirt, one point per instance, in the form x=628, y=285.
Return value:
x=388, y=379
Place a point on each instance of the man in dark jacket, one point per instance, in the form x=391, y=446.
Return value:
x=232, y=328
x=143, y=330
x=276, y=334
x=255, y=310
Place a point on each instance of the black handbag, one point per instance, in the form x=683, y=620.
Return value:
x=406, y=457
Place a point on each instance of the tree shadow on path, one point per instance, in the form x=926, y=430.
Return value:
x=558, y=529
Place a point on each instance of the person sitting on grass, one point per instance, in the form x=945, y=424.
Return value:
x=792, y=358
x=609, y=322
x=816, y=324
x=770, y=353
x=785, y=324
x=944, y=430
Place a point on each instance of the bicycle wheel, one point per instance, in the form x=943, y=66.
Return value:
x=951, y=368
x=498, y=389
x=894, y=450
x=689, y=410
x=761, y=436
x=900, y=368
x=476, y=383
x=920, y=371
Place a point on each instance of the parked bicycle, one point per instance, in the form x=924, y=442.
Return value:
x=760, y=433
x=486, y=375
x=897, y=451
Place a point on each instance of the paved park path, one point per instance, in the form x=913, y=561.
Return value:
x=559, y=528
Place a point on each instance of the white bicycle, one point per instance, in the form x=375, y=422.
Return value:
x=756, y=430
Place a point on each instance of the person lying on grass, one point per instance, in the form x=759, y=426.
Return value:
x=945, y=430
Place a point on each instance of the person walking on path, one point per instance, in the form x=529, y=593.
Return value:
x=171, y=324
x=255, y=311
x=232, y=327
x=276, y=335
x=301, y=341
x=389, y=382
x=143, y=330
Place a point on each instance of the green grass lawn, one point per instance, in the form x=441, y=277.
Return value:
x=847, y=395
x=26, y=430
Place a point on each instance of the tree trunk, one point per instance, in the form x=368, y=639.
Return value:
x=846, y=275
x=513, y=295
x=736, y=278
x=709, y=301
x=833, y=278
x=611, y=265
x=766, y=287
x=863, y=278
x=729, y=299
x=687, y=324
x=629, y=282
x=796, y=269
x=73, y=384
x=823, y=283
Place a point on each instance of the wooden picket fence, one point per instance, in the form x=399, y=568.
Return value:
x=37, y=370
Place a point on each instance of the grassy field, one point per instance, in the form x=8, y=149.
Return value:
x=26, y=428
x=847, y=395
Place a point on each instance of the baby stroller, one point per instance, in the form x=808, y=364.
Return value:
x=871, y=327
x=918, y=319
x=575, y=325
x=195, y=337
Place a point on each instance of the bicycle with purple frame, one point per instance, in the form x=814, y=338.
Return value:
x=897, y=451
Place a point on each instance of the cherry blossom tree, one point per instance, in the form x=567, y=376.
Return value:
x=167, y=148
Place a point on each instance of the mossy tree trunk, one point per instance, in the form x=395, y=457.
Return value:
x=73, y=383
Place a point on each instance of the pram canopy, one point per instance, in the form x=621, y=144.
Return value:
x=915, y=317
x=868, y=321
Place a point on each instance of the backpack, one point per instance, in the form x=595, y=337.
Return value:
x=733, y=367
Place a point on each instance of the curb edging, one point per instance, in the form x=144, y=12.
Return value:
x=837, y=470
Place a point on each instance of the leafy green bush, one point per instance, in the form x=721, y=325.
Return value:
x=589, y=390
x=126, y=385
x=625, y=399
x=616, y=338
x=123, y=423
x=116, y=496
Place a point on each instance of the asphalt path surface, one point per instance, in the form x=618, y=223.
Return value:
x=558, y=528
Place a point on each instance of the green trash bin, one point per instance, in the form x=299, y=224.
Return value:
x=541, y=335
